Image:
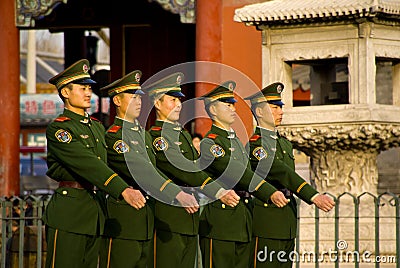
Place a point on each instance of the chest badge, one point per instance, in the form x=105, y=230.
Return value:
x=63, y=136
x=217, y=151
x=259, y=153
x=121, y=147
x=160, y=144
x=84, y=136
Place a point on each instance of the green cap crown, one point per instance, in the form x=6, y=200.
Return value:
x=77, y=73
x=170, y=85
x=223, y=92
x=130, y=83
x=270, y=93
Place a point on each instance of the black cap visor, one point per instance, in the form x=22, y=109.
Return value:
x=84, y=81
x=174, y=93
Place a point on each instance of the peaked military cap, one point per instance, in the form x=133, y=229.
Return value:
x=270, y=94
x=223, y=92
x=130, y=83
x=170, y=85
x=77, y=73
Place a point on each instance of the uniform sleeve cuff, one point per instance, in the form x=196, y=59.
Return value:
x=314, y=196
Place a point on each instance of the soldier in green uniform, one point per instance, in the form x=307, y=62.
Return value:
x=177, y=158
x=131, y=155
x=225, y=232
x=271, y=157
x=76, y=158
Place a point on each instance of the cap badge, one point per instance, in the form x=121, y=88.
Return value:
x=85, y=68
x=279, y=89
x=137, y=77
x=230, y=86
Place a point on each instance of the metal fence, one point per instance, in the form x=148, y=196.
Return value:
x=353, y=234
x=22, y=231
x=359, y=226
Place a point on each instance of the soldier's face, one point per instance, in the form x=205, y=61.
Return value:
x=224, y=113
x=277, y=113
x=129, y=105
x=77, y=97
x=168, y=108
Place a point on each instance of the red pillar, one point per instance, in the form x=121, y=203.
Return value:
x=208, y=48
x=9, y=100
x=220, y=39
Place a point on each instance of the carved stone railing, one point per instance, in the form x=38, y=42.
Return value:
x=343, y=157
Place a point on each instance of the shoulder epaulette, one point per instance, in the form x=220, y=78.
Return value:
x=212, y=136
x=62, y=119
x=155, y=128
x=114, y=129
x=255, y=138
x=95, y=119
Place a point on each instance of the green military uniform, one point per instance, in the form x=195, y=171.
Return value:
x=266, y=147
x=130, y=154
x=176, y=157
x=226, y=232
x=76, y=157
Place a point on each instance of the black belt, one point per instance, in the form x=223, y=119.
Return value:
x=286, y=192
x=243, y=194
x=76, y=185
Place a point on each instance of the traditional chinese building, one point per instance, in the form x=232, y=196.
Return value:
x=349, y=52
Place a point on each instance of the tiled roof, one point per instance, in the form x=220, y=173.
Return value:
x=298, y=10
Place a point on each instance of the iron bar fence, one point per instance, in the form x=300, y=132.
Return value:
x=362, y=231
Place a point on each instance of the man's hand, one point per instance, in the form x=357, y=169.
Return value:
x=324, y=202
x=134, y=198
x=188, y=201
x=279, y=199
x=229, y=198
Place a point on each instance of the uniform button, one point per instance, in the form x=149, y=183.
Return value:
x=64, y=192
x=147, y=197
x=265, y=205
x=234, y=157
x=147, y=146
x=99, y=157
x=97, y=140
x=223, y=205
x=246, y=201
x=87, y=145
x=182, y=151
x=284, y=152
x=194, y=161
x=137, y=151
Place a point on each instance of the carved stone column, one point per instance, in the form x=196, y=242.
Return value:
x=343, y=157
